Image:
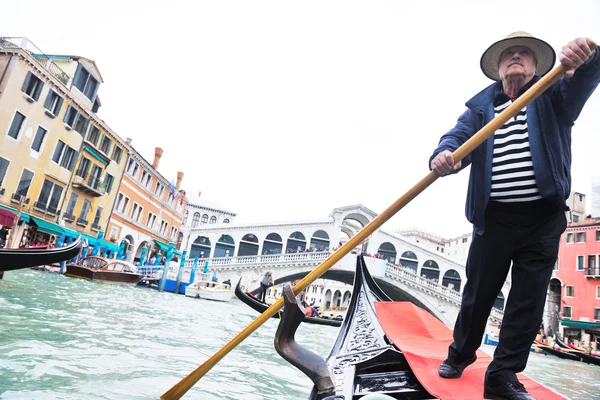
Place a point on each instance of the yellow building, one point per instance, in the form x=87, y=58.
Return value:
x=55, y=152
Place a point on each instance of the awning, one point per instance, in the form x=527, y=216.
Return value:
x=24, y=216
x=165, y=247
x=111, y=246
x=47, y=227
x=97, y=156
x=580, y=324
x=7, y=217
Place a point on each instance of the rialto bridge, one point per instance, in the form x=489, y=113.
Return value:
x=404, y=269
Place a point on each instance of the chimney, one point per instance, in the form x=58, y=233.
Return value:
x=157, y=154
x=199, y=194
x=179, y=178
x=128, y=141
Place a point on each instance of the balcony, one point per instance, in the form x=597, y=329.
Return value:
x=39, y=206
x=16, y=198
x=82, y=222
x=52, y=210
x=96, y=227
x=592, y=272
x=68, y=217
x=92, y=186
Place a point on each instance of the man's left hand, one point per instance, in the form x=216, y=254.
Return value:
x=574, y=54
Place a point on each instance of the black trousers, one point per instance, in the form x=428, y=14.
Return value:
x=262, y=292
x=528, y=235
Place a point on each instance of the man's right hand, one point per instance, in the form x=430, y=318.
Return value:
x=444, y=163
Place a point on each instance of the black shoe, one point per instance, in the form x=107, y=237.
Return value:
x=511, y=390
x=452, y=370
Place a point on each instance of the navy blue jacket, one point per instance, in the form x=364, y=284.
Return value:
x=549, y=120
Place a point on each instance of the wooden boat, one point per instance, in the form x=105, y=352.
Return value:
x=260, y=306
x=105, y=270
x=209, y=290
x=11, y=259
x=386, y=349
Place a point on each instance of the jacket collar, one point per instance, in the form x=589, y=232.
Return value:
x=493, y=93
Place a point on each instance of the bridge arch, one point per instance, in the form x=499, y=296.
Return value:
x=225, y=246
x=200, y=248
x=409, y=259
x=296, y=243
x=452, y=280
x=248, y=245
x=319, y=240
x=499, y=303
x=273, y=244
x=388, y=251
x=430, y=270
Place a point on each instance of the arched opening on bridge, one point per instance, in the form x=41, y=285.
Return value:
x=296, y=243
x=499, y=303
x=345, y=235
x=388, y=252
x=319, y=241
x=363, y=220
x=138, y=253
x=327, y=299
x=248, y=245
x=554, y=303
x=272, y=244
x=409, y=259
x=200, y=248
x=452, y=280
x=225, y=246
x=337, y=298
x=346, y=298
x=430, y=270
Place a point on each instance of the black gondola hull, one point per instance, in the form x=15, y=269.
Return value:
x=12, y=259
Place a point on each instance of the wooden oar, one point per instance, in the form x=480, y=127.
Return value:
x=186, y=383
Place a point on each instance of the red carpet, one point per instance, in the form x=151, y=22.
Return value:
x=424, y=340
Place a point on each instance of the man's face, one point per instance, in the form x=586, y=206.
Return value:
x=517, y=62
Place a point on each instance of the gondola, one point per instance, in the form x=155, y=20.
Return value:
x=11, y=259
x=386, y=348
x=569, y=354
x=259, y=306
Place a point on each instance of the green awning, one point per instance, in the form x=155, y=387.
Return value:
x=97, y=156
x=110, y=246
x=47, y=227
x=71, y=233
x=580, y=324
x=165, y=247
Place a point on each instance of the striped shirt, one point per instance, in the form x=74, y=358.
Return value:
x=512, y=168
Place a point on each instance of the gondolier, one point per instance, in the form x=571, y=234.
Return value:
x=265, y=283
x=519, y=182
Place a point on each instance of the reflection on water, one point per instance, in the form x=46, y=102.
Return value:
x=64, y=338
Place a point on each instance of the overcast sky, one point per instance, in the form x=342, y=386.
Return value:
x=284, y=110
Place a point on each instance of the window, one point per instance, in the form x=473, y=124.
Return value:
x=144, y=173
x=24, y=182
x=173, y=232
x=71, y=204
x=213, y=220
x=464, y=240
x=130, y=165
x=3, y=168
x=580, y=263
x=117, y=153
x=94, y=135
x=570, y=237
x=598, y=236
x=569, y=291
x=85, y=82
x=185, y=217
x=84, y=167
x=596, y=314
x=119, y=200
x=15, y=125
x=598, y=292
x=108, y=182
x=148, y=180
x=32, y=86
x=592, y=262
x=81, y=124
x=98, y=215
x=226, y=221
x=575, y=218
x=195, y=220
x=58, y=150
x=36, y=145
x=125, y=204
x=49, y=196
x=150, y=220
x=567, y=312
x=53, y=103
x=580, y=237
x=136, y=211
x=69, y=158
x=139, y=214
x=163, y=227
x=85, y=209
x=204, y=219
x=105, y=147
x=71, y=116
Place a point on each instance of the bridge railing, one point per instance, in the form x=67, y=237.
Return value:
x=224, y=262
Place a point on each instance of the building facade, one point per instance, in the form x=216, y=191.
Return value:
x=48, y=106
x=148, y=211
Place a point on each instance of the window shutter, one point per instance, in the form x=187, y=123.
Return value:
x=58, y=105
x=67, y=113
x=38, y=90
x=27, y=80
x=48, y=101
x=73, y=160
x=84, y=126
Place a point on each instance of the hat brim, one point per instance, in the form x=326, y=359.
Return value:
x=544, y=53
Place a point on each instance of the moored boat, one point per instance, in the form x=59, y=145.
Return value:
x=208, y=290
x=104, y=270
x=12, y=259
x=260, y=306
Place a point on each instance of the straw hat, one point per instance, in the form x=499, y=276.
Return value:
x=543, y=52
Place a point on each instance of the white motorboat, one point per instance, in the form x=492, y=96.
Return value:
x=208, y=290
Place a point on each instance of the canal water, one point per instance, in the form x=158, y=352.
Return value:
x=65, y=338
